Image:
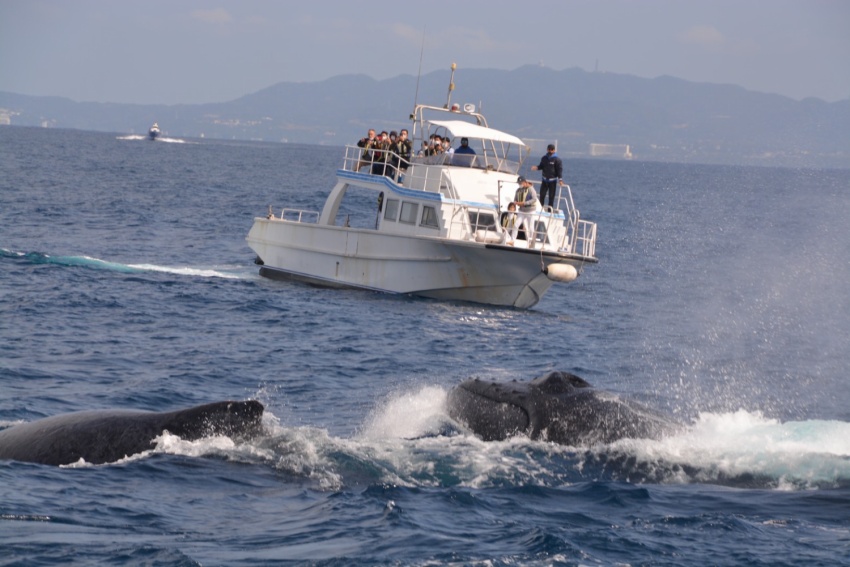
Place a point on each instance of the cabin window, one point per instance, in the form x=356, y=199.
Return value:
x=408, y=212
x=429, y=217
x=391, y=209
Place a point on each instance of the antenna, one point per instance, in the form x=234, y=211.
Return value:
x=419, y=74
x=451, y=86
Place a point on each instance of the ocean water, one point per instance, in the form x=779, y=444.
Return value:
x=720, y=297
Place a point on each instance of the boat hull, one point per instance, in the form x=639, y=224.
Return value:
x=428, y=267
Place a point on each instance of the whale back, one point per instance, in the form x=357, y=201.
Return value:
x=231, y=419
x=105, y=436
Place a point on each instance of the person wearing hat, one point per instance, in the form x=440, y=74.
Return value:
x=368, y=144
x=526, y=202
x=464, y=155
x=403, y=148
x=392, y=155
x=552, y=169
x=379, y=163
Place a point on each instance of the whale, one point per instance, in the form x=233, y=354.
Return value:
x=106, y=436
x=558, y=407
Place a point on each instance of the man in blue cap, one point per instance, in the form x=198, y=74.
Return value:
x=553, y=171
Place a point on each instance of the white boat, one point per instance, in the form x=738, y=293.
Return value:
x=153, y=131
x=436, y=232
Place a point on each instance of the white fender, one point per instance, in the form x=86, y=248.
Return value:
x=561, y=272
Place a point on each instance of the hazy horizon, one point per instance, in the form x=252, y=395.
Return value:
x=191, y=52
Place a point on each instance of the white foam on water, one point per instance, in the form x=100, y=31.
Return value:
x=190, y=271
x=748, y=443
x=403, y=442
x=407, y=415
x=227, y=272
x=716, y=446
x=134, y=137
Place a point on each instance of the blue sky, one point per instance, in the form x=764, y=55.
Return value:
x=189, y=51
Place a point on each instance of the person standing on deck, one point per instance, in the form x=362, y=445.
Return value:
x=392, y=156
x=526, y=202
x=552, y=170
x=382, y=147
x=368, y=144
x=403, y=148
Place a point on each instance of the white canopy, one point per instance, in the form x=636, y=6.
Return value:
x=461, y=129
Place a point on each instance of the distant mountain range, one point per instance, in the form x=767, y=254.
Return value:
x=661, y=119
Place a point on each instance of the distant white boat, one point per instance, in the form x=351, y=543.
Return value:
x=154, y=131
x=437, y=230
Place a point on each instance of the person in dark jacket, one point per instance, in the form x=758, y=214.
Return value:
x=403, y=148
x=380, y=154
x=463, y=156
x=369, y=143
x=552, y=170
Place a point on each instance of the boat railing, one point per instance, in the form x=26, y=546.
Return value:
x=474, y=223
x=296, y=215
x=483, y=224
x=428, y=179
x=474, y=161
x=386, y=163
x=585, y=238
x=369, y=160
x=580, y=235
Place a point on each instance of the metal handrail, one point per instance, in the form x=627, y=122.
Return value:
x=357, y=162
x=580, y=235
x=354, y=161
x=298, y=215
x=467, y=226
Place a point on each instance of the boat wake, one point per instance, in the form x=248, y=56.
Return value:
x=235, y=272
x=409, y=440
x=158, y=139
